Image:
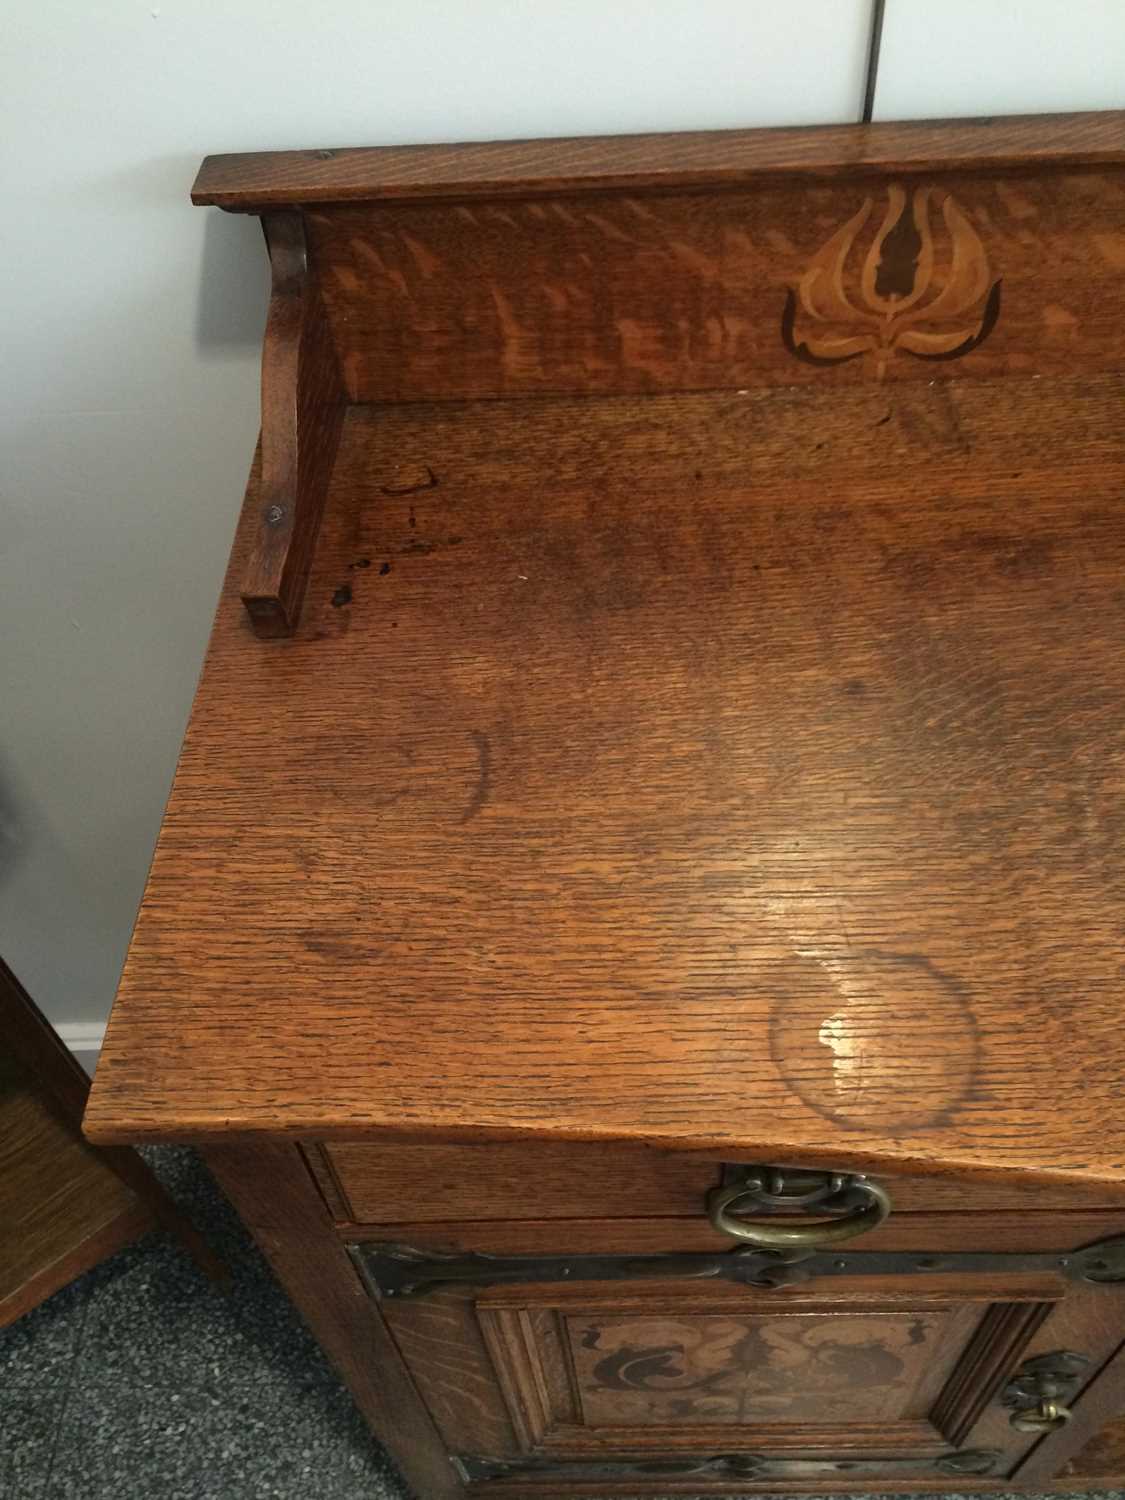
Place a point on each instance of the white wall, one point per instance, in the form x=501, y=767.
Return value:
x=974, y=57
x=131, y=325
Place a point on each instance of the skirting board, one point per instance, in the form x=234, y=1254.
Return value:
x=84, y=1038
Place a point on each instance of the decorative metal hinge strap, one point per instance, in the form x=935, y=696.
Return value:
x=394, y=1270
x=472, y=1468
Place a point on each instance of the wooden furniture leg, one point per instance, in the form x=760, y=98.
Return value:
x=270, y=1186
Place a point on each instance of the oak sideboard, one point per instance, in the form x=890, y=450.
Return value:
x=638, y=926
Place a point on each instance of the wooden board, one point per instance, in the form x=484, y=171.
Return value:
x=377, y=1182
x=691, y=291
x=250, y=181
x=721, y=771
x=61, y=1207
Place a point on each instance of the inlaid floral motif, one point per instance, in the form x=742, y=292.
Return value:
x=923, y=285
x=723, y=1369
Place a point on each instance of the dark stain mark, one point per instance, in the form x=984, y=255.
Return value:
x=418, y=546
x=958, y=558
x=1025, y=557
x=591, y=1338
x=335, y=947
x=430, y=482
x=484, y=775
x=831, y=519
x=882, y=422
x=914, y=570
x=342, y=596
x=413, y=519
x=855, y=687
x=384, y=570
x=699, y=473
x=360, y=562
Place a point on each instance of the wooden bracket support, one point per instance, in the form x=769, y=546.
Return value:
x=303, y=405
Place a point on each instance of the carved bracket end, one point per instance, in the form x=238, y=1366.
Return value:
x=303, y=403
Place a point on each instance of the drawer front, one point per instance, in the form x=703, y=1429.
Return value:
x=376, y=1184
x=366, y=1182
x=681, y=1386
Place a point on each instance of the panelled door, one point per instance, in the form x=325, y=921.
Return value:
x=910, y=1376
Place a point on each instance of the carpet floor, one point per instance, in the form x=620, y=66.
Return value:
x=140, y=1382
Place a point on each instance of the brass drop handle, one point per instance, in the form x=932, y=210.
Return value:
x=1038, y=1388
x=1045, y=1417
x=858, y=1204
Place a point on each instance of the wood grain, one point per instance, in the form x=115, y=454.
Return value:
x=775, y=810
x=373, y=1182
x=64, y=1204
x=672, y=1369
x=64, y=1257
x=250, y=181
x=302, y=412
x=270, y=1186
x=1101, y=1401
x=1091, y=1321
x=715, y=754
x=502, y=1179
x=1102, y=1458
x=59, y=1204
x=690, y=291
x=617, y=1371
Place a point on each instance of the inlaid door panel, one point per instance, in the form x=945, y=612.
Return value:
x=880, y=1367
x=802, y=1376
x=904, y=1377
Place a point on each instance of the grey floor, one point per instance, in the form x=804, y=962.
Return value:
x=139, y=1382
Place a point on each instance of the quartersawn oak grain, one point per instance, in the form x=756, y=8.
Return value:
x=656, y=779
x=250, y=181
x=627, y=293
x=712, y=771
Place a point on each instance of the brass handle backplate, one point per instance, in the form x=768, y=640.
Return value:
x=1039, y=1389
x=856, y=1205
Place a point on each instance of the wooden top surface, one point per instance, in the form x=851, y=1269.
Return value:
x=498, y=169
x=733, y=771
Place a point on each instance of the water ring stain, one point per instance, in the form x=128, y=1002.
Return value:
x=874, y=1040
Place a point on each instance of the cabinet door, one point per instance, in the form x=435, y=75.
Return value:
x=677, y=1381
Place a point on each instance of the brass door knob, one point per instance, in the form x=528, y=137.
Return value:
x=856, y=1204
